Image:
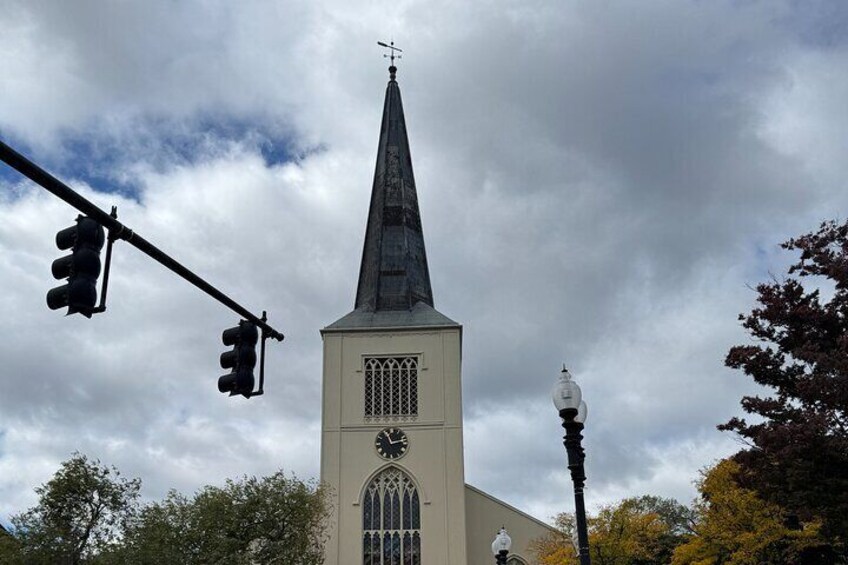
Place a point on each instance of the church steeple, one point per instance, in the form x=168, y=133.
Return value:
x=393, y=274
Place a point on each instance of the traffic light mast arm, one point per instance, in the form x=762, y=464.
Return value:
x=117, y=230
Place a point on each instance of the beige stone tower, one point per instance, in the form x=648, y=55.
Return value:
x=391, y=445
x=391, y=437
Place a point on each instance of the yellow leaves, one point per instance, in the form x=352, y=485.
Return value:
x=729, y=525
x=559, y=556
x=736, y=527
x=631, y=531
x=624, y=533
x=556, y=548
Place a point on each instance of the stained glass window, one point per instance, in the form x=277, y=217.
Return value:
x=391, y=520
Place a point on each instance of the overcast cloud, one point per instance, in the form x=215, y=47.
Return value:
x=599, y=184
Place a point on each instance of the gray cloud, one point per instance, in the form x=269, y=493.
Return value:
x=598, y=184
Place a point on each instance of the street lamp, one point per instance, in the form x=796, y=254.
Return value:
x=569, y=401
x=500, y=547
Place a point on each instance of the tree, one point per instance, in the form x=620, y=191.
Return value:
x=9, y=547
x=797, y=455
x=88, y=514
x=81, y=511
x=637, y=531
x=734, y=526
x=557, y=547
x=275, y=519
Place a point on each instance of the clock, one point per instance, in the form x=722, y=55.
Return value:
x=391, y=443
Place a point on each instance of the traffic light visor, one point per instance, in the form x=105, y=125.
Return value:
x=237, y=383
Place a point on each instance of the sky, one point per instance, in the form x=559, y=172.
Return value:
x=601, y=184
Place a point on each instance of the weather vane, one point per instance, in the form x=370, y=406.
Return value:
x=391, y=54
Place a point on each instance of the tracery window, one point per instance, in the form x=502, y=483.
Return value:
x=391, y=520
x=391, y=388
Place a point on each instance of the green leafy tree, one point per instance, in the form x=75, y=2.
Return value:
x=88, y=514
x=9, y=547
x=275, y=519
x=798, y=444
x=735, y=526
x=81, y=512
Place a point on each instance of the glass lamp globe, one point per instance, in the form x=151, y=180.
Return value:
x=582, y=412
x=502, y=542
x=566, y=393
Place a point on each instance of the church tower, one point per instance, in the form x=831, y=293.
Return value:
x=391, y=442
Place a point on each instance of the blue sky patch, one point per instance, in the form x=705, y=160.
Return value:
x=8, y=174
x=103, y=158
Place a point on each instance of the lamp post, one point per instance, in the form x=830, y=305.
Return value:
x=500, y=547
x=569, y=402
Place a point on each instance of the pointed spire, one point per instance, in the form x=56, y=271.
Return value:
x=393, y=274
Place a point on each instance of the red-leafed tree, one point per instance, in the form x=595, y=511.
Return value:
x=797, y=453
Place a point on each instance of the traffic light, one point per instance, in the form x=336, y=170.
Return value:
x=81, y=267
x=241, y=359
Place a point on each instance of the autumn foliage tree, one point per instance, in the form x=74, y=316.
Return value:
x=642, y=530
x=735, y=526
x=636, y=531
x=797, y=455
x=557, y=547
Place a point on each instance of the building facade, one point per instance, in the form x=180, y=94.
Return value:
x=391, y=444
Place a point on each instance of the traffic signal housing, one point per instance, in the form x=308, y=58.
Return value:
x=81, y=268
x=241, y=359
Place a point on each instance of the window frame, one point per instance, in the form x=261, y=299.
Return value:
x=400, y=542
x=391, y=387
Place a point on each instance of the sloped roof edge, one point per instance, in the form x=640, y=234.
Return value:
x=510, y=507
x=420, y=316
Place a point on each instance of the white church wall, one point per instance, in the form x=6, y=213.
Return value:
x=486, y=515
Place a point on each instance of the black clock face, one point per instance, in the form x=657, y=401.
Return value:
x=391, y=443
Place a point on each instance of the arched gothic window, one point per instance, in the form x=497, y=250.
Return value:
x=391, y=520
x=515, y=560
x=391, y=387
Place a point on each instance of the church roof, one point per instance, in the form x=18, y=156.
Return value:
x=394, y=281
x=393, y=274
x=419, y=316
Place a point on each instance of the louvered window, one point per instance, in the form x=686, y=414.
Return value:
x=391, y=520
x=391, y=388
